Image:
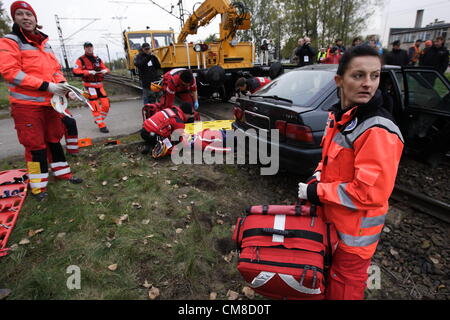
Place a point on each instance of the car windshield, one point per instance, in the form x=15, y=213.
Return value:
x=136, y=40
x=300, y=86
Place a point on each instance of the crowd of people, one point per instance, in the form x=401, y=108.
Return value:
x=432, y=54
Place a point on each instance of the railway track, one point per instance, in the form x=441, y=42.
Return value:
x=125, y=81
x=425, y=204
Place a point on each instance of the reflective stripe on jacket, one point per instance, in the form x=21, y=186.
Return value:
x=165, y=122
x=27, y=67
x=361, y=153
x=254, y=84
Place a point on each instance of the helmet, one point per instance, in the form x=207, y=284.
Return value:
x=160, y=149
x=156, y=86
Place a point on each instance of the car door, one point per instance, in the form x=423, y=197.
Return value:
x=426, y=119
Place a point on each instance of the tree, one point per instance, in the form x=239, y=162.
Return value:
x=5, y=22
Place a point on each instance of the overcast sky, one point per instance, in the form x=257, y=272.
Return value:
x=138, y=14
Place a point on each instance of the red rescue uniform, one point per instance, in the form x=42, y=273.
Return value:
x=362, y=148
x=173, y=88
x=165, y=122
x=28, y=66
x=93, y=84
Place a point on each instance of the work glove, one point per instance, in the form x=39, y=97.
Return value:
x=196, y=105
x=104, y=71
x=302, y=191
x=92, y=72
x=57, y=89
x=317, y=175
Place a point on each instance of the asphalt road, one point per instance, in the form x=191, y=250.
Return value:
x=124, y=118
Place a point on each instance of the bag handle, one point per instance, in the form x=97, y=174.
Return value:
x=299, y=209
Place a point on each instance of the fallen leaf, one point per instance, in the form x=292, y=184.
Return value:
x=113, y=267
x=32, y=233
x=105, y=183
x=153, y=293
x=394, y=252
x=147, y=285
x=102, y=217
x=168, y=182
x=108, y=245
x=61, y=235
x=125, y=178
x=146, y=221
x=179, y=230
x=168, y=245
x=248, y=292
x=24, y=242
x=220, y=222
x=136, y=205
x=213, y=296
x=434, y=260
x=232, y=295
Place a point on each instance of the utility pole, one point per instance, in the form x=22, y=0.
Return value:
x=180, y=6
x=61, y=39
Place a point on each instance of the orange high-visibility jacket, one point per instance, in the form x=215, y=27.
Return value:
x=361, y=153
x=28, y=68
x=85, y=64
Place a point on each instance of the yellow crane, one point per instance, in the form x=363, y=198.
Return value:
x=218, y=64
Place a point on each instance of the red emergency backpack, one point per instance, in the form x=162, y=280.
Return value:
x=285, y=251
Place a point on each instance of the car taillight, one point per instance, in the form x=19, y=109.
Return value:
x=238, y=113
x=299, y=133
x=281, y=126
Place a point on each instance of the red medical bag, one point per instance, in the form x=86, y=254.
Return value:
x=285, y=251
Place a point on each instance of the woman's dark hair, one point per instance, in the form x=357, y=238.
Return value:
x=359, y=51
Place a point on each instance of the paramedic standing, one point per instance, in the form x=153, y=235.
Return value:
x=92, y=70
x=353, y=182
x=34, y=74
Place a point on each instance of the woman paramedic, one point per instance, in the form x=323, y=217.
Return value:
x=354, y=180
x=34, y=74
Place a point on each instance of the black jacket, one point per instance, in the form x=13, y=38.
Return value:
x=148, y=72
x=397, y=58
x=306, y=55
x=435, y=57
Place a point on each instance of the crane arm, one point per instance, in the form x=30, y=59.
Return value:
x=208, y=10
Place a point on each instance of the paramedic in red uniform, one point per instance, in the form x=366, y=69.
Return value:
x=163, y=123
x=251, y=85
x=362, y=147
x=179, y=83
x=34, y=75
x=92, y=70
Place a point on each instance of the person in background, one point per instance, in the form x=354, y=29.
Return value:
x=353, y=182
x=300, y=44
x=306, y=54
x=148, y=66
x=436, y=56
x=398, y=56
x=245, y=86
x=322, y=55
x=28, y=64
x=92, y=70
x=415, y=53
x=334, y=56
x=340, y=47
x=356, y=42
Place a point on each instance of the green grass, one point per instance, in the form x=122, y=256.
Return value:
x=184, y=265
x=4, y=100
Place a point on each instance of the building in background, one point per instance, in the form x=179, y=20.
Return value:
x=408, y=36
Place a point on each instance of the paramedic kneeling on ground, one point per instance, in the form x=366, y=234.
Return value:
x=362, y=148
